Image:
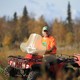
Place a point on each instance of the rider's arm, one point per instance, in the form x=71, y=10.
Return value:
x=50, y=50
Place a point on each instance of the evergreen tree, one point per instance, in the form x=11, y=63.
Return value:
x=69, y=18
x=23, y=23
x=15, y=17
x=25, y=14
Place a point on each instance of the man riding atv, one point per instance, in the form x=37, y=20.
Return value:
x=48, y=48
x=50, y=43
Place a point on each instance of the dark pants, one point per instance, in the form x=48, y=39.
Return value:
x=50, y=58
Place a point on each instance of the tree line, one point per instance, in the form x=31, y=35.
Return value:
x=14, y=31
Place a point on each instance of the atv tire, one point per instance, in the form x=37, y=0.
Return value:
x=11, y=71
x=34, y=75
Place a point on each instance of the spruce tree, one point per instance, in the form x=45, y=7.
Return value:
x=25, y=13
x=15, y=17
x=24, y=20
x=69, y=18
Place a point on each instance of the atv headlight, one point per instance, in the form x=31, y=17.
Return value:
x=13, y=63
x=23, y=65
x=10, y=62
x=27, y=66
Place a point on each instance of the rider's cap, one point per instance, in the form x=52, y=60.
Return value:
x=45, y=28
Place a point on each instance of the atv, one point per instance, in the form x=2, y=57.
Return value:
x=33, y=66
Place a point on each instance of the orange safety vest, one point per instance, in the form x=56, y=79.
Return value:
x=49, y=42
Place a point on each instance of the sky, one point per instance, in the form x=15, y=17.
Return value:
x=50, y=9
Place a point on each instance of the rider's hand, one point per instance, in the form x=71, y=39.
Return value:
x=47, y=51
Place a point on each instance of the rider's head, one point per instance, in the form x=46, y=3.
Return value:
x=45, y=31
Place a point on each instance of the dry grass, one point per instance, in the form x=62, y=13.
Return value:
x=70, y=51
x=5, y=52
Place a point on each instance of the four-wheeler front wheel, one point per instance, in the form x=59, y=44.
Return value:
x=11, y=71
x=34, y=75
